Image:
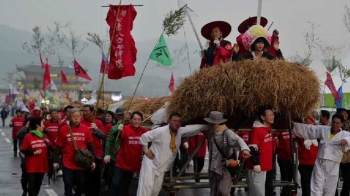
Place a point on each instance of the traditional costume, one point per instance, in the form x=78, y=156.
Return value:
x=164, y=147
x=219, y=50
x=254, y=34
x=243, y=27
x=326, y=170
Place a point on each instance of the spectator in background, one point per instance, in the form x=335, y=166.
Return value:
x=16, y=123
x=324, y=118
x=4, y=113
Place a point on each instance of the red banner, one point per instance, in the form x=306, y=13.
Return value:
x=329, y=83
x=123, y=50
x=47, y=77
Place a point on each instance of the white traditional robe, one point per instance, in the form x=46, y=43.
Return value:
x=324, y=177
x=152, y=171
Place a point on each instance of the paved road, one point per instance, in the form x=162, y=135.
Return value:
x=11, y=173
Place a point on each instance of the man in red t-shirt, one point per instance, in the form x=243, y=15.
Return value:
x=73, y=174
x=260, y=145
x=128, y=160
x=16, y=123
x=93, y=178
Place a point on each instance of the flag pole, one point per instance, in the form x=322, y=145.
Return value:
x=259, y=12
x=106, y=63
x=194, y=28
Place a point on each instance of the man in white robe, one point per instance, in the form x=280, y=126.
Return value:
x=159, y=158
x=333, y=143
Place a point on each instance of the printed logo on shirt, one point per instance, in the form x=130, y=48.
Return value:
x=268, y=138
x=134, y=140
x=18, y=124
x=38, y=144
x=77, y=137
x=52, y=128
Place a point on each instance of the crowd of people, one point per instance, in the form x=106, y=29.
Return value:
x=50, y=140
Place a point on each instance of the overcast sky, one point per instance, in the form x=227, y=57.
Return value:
x=290, y=17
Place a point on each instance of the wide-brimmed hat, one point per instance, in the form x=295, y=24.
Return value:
x=251, y=21
x=119, y=111
x=222, y=25
x=215, y=117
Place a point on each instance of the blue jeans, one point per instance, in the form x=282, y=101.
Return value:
x=121, y=182
x=71, y=178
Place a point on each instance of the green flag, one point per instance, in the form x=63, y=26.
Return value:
x=161, y=53
x=47, y=95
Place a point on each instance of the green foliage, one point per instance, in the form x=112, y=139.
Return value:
x=173, y=21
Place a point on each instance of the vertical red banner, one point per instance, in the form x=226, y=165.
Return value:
x=123, y=50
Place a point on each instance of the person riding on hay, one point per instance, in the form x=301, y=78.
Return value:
x=219, y=50
x=256, y=40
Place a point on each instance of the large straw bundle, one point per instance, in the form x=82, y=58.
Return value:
x=240, y=88
x=145, y=106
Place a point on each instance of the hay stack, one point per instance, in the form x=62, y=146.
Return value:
x=145, y=106
x=244, y=86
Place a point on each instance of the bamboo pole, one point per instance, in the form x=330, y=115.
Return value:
x=259, y=12
x=194, y=28
x=106, y=64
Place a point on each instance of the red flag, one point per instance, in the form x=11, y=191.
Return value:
x=68, y=98
x=64, y=78
x=172, y=84
x=329, y=83
x=103, y=64
x=80, y=72
x=47, y=78
x=123, y=50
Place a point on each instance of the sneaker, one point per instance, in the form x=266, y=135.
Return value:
x=59, y=173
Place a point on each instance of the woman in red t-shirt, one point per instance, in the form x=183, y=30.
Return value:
x=129, y=155
x=16, y=123
x=35, y=148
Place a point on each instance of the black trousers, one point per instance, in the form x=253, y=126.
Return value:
x=270, y=176
x=198, y=164
x=93, y=180
x=345, y=170
x=286, y=169
x=24, y=176
x=34, y=183
x=15, y=146
x=3, y=121
x=305, y=178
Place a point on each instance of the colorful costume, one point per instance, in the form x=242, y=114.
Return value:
x=249, y=38
x=216, y=54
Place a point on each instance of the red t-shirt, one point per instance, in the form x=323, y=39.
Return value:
x=130, y=152
x=306, y=157
x=261, y=136
x=96, y=141
x=17, y=123
x=283, y=147
x=82, y=137
x=52, y=130
x=245, y=136
x=37, y=163
x=107, y=128
x=193, y=143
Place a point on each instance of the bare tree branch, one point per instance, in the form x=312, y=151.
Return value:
x=346, y=18
x=328, y=53
x=102, y=44
x=74, y=44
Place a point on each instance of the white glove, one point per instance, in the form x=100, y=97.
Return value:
x=120, y=127
x=217, y=43
x=257, y=168
x=93, y=126
x=56, y=166
x=314, y=142
x=93, y=166
x=107, y=158
x=186, y=145
x=307, y=144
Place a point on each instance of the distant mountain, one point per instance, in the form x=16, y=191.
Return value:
x=155, y=80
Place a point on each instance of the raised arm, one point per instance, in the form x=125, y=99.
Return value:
x=309, y=131
x=191, y=130
x=236, y=141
